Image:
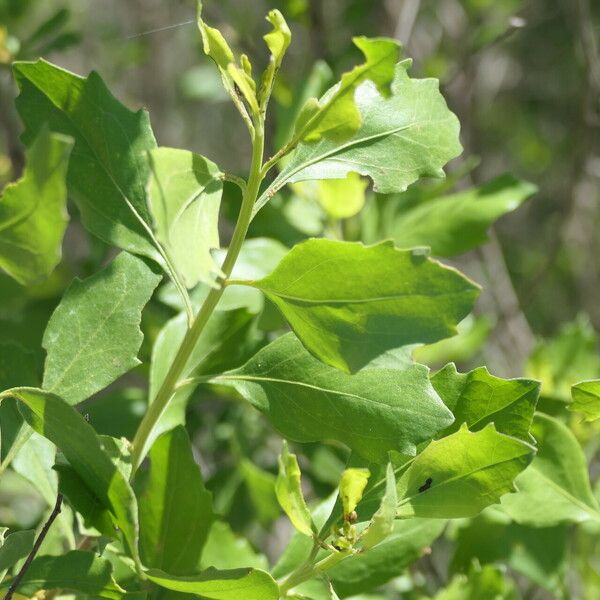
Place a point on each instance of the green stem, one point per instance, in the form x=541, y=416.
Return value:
x=167, y=389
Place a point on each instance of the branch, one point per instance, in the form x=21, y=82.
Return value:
x=38, y=542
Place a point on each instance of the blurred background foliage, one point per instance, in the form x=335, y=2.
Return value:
x=524, y=78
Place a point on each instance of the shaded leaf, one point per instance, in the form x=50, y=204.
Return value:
x=382, y=522
x=557, y=482
x=94, y=335
x=77, y=570
x=175, y=507
x=33, y=212
x=481, y=584
x=13, y=548
x=342, y=198
x=53, y=418
x=454, y=224
x=461, y=474
x=184, y=195
x=372, y=412
x=369, y=570
x=349, y=303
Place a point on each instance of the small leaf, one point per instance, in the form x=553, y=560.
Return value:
x=308, y=401
x=482, y=583
x=352, y=485
x=13, y=548
x=53, y=418
x=261, y=490
x=586, y=399
x=224, y=549
x=175, y=507
x=33, y=213
x=342, y=198
x=184, y=195
x=410, y=135
x=454, y=224
x=461, y=474
x=94, y=335
x=289, y=493
x=279, y=39
x=478, y=398
x=108, y=168
x=557, y=483
x=349, y=303
x=77, y=570
x=382, y=523
x=338, y=117
x=251, y=584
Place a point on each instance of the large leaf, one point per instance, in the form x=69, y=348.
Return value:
x=409, y=135
x=367, y=571
x=33, y=213
x=184, y=195
x=461, y=474
x=77, y=570
x=478, y=398
x=53, y=418
x=175, y=507
x=336, y=116
x=586, y=399
x=454, y=224
x=557, y=483
x=94, y=335
x=108, y=169
x=349, y=303
x=372, y=412
x=233, y=584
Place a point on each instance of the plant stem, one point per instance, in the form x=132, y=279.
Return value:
x=36, y=546
x=167, y=389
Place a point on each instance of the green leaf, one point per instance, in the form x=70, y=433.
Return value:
x=349, y=303
x=77, y=570
x=455, y=224
x=216, y=47
x=557, y=482
x=53, y=418
x=586, y=399
x=226, y=341
x=336, y=116
x=251, y=584
x=461, y=474
x=184, y=195
x=342, y=198
x=352, y=485
x=569, y=357
x=368, y=570
x=481, y=584
x=175, y=507
x=288, y=489
x=279, y=39
x=108, y=168
x=382, y=523
x=261, y=490
x=13, y=548
x=478, y=398
x=539, y=553
x=226, y=550
x=94, y=335
x=372, y=412
x=410, y=135
x=33, y=212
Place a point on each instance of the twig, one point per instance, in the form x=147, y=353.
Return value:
x=38, y=542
